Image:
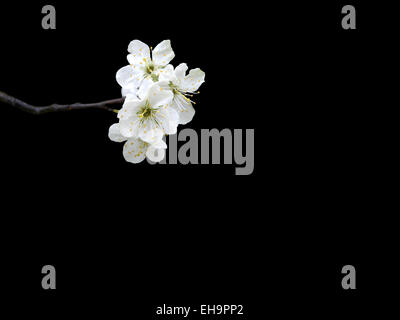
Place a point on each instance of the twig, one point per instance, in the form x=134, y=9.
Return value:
x=19, y=104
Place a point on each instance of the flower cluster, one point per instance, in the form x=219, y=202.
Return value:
x=157, y=100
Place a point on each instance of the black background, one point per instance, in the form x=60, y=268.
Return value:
x=125, y=238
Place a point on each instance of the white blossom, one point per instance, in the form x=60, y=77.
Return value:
x=157, y=99
x=183, y=86
x=149, y=117
x=144, y=64
x=135, y=150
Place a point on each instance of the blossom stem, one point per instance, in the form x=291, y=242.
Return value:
x=19, y=104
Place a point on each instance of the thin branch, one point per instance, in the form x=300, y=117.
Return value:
x=19, y=104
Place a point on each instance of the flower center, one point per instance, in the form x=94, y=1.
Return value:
x=146, y=111
x=149, y=71
x=174, y=88
x=184, y=95
x=150, y=68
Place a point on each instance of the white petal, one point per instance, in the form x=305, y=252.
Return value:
x=114, y=133
x=166, y=74
x=172, y=115
x=137, y=46
x=130, y=127
x=130, y=107
x=137, y=52
x=160, y=144
x=180, y=71
x=130, y=90
x=163, y=53
x=168, y=119
x=149, y=133
x=144, y=88
x=173, y=121
x=164, y=85
x=157, y=140
x=184, y=109
x=159, y=96
x=192, y=81
x=134, y=150
x=138, y=74
x=155, y=154
x=125, y=76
